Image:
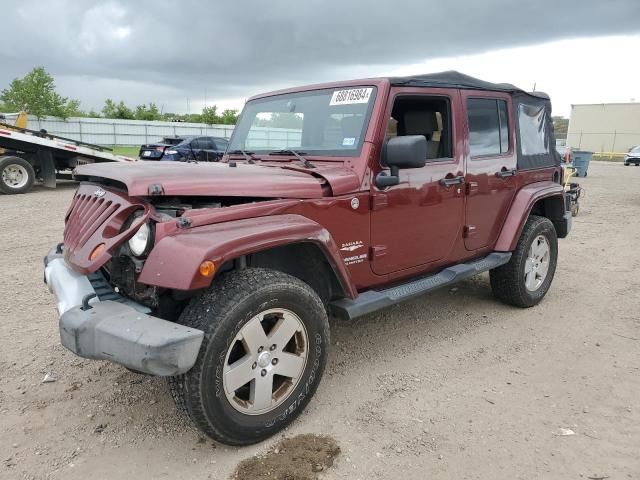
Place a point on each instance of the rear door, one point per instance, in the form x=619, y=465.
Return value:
x=490, y=165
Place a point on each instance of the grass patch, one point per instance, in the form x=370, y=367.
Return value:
x=126, y=151
x=608, y=157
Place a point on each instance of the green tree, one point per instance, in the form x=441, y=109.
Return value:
x=560, y=126
x=229, y=117
x=281, y=120
x=112, y=109
x=36, y=94
x=210, y=115
x=147, y=112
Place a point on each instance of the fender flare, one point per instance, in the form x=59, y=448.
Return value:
x=175, y=260
x=521, y=207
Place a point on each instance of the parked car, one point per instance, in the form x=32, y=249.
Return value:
x=633, y=156
x=185, y=148
x=221, y=276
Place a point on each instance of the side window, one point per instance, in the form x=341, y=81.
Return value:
x=533, y=130
x=488, y=127
x=427, y=116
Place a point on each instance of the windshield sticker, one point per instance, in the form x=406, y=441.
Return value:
x=348, y=141
x=351, y=96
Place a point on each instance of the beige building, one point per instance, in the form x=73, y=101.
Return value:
x=604, y=127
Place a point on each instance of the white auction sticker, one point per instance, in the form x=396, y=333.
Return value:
x=353, y=95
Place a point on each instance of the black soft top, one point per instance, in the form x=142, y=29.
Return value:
x=453, y=79
x=535, y=146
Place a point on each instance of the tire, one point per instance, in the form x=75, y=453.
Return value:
x=16, y=175
x=508, y=282
x=235, y=301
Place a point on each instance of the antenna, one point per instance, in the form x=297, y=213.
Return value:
x=534, y=87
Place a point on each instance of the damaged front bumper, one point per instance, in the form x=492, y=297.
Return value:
x=100, y=324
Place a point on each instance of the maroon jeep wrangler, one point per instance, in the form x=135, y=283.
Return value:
x=341, y=199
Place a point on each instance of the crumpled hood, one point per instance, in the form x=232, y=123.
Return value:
x=219, y=179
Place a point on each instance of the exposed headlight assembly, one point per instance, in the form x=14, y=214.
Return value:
x=140, y=243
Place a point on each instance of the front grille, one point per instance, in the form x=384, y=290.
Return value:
x=98, y=216
x=86, y=214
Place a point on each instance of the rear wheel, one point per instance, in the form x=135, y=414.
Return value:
x=526, y=278
x=262, y=357
x=16, y=175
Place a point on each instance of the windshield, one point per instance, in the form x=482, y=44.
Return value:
x=635, y=149
x=328, y=122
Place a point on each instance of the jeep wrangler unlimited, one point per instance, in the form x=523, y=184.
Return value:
x=221, y=276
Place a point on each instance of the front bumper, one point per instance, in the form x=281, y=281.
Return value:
x=117, y=329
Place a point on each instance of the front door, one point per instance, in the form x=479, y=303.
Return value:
x=418, y=221
x=490, y=166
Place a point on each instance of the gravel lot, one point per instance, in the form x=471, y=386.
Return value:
x=452, y=385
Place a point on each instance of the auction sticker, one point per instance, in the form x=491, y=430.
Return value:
x=351, y=96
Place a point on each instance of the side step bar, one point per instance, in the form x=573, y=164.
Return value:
x=373, y=300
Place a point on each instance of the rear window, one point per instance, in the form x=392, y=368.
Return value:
x=221, y=144
x=172, y=140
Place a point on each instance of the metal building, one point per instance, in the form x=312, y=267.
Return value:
x=604, y=127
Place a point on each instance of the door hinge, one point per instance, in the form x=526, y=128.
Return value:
x=471, y=188
x=469, y=231
x=377, y=251
x=379, y=201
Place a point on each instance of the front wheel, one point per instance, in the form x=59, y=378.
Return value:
x=526, y=278
x=262, y=357
x=16, y=175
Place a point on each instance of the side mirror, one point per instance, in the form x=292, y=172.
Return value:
x=409, y=151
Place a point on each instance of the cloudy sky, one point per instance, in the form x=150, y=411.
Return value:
x=180, y=54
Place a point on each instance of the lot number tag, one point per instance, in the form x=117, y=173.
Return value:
x=353, y=95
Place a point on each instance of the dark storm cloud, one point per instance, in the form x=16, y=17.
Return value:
x=234, y=48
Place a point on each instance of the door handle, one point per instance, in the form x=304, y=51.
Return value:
x=448, y=181
x=506, y=172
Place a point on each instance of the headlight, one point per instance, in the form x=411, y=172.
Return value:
x=171, y=152
x=140, y=242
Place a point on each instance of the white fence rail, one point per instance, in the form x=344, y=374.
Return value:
x=106, y=131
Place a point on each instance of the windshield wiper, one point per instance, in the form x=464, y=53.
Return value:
x=248, y=156
x=298, y=155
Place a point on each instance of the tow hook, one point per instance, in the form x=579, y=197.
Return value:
x=85, y=301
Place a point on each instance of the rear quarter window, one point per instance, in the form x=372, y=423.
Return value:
x=533, y=129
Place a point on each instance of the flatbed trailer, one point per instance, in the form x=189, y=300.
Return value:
x=30, y=156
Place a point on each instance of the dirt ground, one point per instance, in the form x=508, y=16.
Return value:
x=450, y=386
